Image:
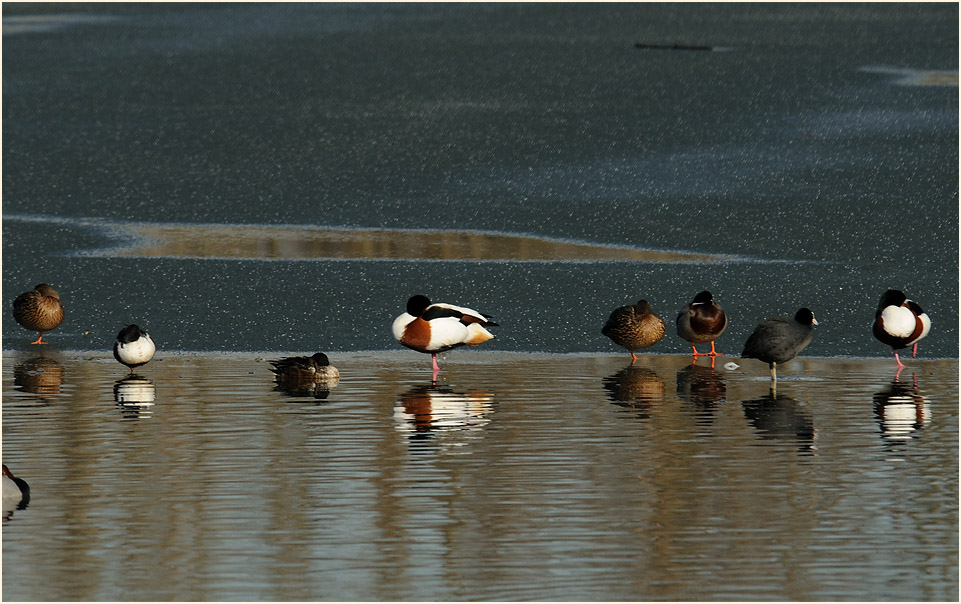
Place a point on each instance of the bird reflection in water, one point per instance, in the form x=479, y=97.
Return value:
x=428, y=411
x=134, y=396
x=779, y=417
x=901, y=410
x=635, y=388
x=16, y=494
x=306, y=387
x=303, y=376
x=703, y=388
x=38, y=375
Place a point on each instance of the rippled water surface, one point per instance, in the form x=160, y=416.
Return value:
x=516, y=476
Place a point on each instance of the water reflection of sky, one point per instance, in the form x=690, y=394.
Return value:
x=522, y=465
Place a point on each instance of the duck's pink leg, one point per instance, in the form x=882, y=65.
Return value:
x=898, y=359
x=436, y=368
x=914, y=353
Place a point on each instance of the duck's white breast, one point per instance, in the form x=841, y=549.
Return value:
x=139, y=351
x=899, y=321
x=10, y=488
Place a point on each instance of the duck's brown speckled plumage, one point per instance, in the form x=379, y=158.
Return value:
x=634, y=327
x=312, y=368
x=38, y=310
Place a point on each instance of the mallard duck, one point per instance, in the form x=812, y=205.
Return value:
x=899, y=322
x=38, y=310
x=431, y=328
x=133, y=347
x=634, y=327
x=703, y=320
x=780, y=339
x=307, y=369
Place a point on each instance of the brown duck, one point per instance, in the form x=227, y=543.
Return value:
x=38, y=310
x=312, y=368
x=703, y=320
x=634, y=327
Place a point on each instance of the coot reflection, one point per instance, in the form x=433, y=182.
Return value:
x=779, y=417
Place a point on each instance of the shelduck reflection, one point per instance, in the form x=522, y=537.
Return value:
x=430, y=411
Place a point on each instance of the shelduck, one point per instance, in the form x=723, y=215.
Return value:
x=900, y=322
x=437, y=327
x=133, y=347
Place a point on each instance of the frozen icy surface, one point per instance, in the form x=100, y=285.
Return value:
x=801, y=167
x=249, y=181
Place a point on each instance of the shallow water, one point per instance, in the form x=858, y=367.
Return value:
x=517, y=476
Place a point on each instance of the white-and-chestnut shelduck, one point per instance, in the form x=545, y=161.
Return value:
x=437, y=327
x=133, y=347
x=900, y=322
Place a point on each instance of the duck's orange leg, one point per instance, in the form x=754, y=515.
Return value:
x=713, y=352
x=39, y=340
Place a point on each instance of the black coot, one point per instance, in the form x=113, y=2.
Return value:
x=780, y=339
